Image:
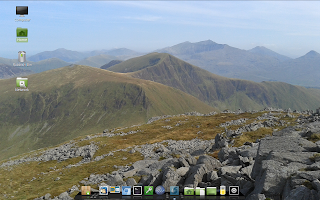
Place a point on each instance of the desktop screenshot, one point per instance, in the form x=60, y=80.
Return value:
x=159, y=99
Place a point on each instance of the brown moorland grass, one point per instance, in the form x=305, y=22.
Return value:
x=15, y=180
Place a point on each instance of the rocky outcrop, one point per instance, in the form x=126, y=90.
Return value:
x=283, y=166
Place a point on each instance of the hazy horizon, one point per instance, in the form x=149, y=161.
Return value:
x=289, y=28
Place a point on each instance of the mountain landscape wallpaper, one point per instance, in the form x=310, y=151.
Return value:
x=160, y=100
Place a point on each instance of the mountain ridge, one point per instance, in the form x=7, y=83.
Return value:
x=71, y=101
x=215, y=90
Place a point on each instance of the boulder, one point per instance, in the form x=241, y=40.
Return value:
x=131, y=182
x=170, y=177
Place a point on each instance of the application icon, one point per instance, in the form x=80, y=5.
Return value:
x=22, y=32
x=174, y=190
x=148, y=190
x=85, y=190
x=21, y=10
x=115, y=189
x=103, y=190
x=22, y=56
x=188, y=191
x=211, y=191
x=200, y=191
x=22, y=82
x=222, y=190
x=233, y=190
x=160, y=190
x=126, y=190
x=137, y=190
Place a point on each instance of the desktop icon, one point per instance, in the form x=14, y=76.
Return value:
x=22, y=82
x=85, y=190
x=148, y=190
x=233, y=190
x=21, y=10
x=222, y=190
x=22, y=56
x=211, y=191
x=126, y=190
x=137, y=190
x=22, y=32
x=174, y=190
x=200, y=191
x=103, y=190
x=160, y=190
x=188, y=191
x=115, y=189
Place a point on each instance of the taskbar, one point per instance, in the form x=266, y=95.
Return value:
x=166, y=196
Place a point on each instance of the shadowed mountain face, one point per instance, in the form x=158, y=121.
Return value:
x=110, y=64
x=220, y=92
x=68, y=102
x=7, y=71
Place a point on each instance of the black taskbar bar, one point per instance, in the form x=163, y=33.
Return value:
x=166, y=196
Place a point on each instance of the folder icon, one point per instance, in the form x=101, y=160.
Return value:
x=22, y=32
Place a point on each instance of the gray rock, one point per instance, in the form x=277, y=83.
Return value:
x=183, y=162
x=131, y=182
x=212, y=176
x=182, y=171
x=210, y=162
x=309, y=175
x=170, y=178
x=272, y=178
x=299, y=193
x=47, y=196
x=65, y=196
x=195, y=175
x=256, y=197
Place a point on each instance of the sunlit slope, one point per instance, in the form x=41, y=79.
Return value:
x=217, y=91
x=71, y=101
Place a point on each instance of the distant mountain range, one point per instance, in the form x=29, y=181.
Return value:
x=7, y=71
x=257, y=64
x=217, y=91
x=65, y=103
x=75, y=56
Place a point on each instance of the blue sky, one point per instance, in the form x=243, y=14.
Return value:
x=291, y=28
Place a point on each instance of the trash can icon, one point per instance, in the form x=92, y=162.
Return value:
x=22, y=56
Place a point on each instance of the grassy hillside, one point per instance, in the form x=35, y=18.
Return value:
x=217, y=91
x=97, y=61
x=71, y=101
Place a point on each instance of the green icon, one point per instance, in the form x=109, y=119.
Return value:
x=22, y=82
x=22, y=32
x=88, y=192
x=148, y=190
x=211, y=191
x=188, y=191
x=200, y=191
